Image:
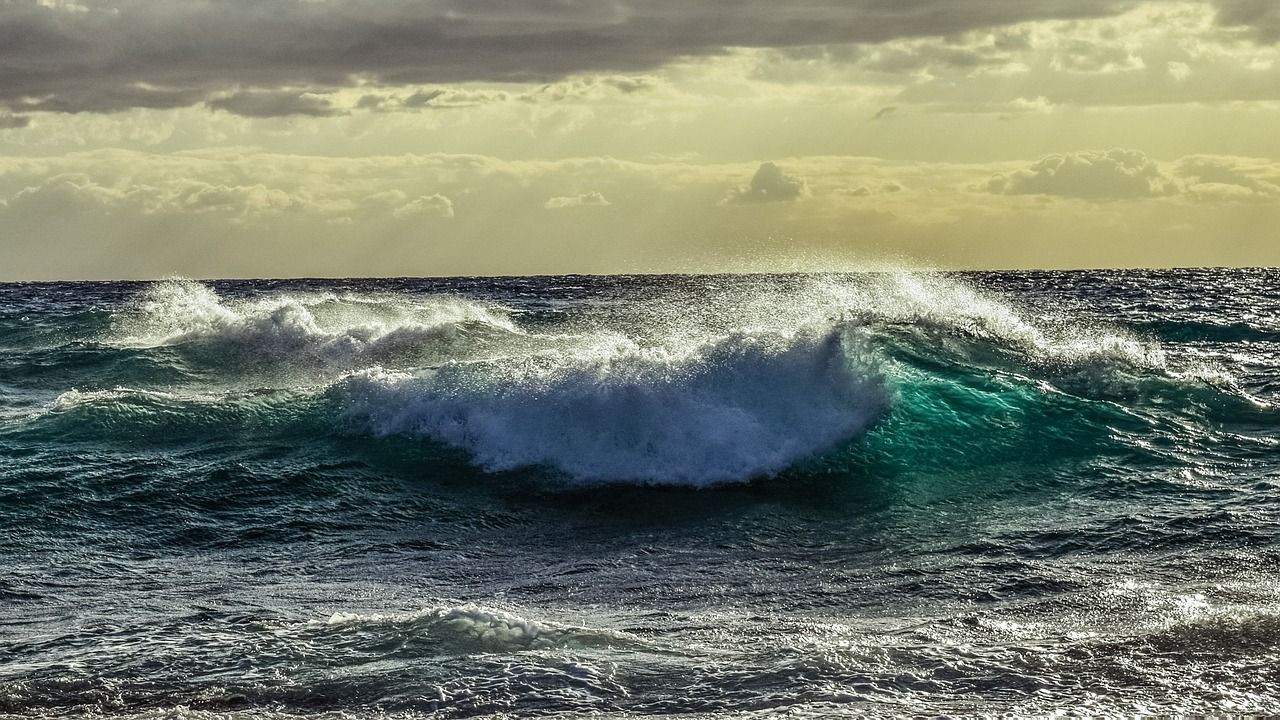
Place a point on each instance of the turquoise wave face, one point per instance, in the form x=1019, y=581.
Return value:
x=945, y=491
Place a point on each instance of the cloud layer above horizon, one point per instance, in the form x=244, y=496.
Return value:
x=565, y=135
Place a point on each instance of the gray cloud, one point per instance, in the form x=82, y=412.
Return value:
x=105, y=56
x=1261, y=17
x=274, y=103
x=433, y=99
x=1094, y=175
x=769, y=184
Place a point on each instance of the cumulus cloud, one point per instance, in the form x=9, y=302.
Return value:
x=69, y=192
x=234, y=199
x=240, y=212
x=1213, y=178
x=769, y=184
x=435, y=205
x=104, y=55
x=1116, y=174
x=81, y=192
x=587, y=199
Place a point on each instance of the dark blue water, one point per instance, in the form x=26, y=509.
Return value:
x=621, y=496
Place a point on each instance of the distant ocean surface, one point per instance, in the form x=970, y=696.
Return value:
x=712, y=496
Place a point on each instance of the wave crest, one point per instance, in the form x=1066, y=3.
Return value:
x=726, y=410
x=326, y=328
x=467, y=628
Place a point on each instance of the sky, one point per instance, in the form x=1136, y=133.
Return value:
x=295, y=138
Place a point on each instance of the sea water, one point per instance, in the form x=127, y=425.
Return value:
x=720, y=496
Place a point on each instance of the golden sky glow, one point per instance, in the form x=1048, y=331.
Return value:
x=504, y=137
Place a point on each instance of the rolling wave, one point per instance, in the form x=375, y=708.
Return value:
x=726, y=411
x=319, y=328
x=460, y=629
x=735, y=385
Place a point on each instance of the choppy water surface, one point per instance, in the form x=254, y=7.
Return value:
x=716, y=496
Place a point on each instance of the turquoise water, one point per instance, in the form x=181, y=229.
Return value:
x=624, y=496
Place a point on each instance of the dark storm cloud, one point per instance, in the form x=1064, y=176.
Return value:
x=105, y=56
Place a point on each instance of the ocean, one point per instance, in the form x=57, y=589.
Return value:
x=879, y=493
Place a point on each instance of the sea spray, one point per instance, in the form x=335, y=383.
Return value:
x=729, y=410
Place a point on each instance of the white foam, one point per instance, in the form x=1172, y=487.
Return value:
x=935, y=303
x=324, y=327
x=723, y=410
x=74, y=398
x=471, y=625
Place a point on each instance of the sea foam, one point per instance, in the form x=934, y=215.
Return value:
x=324, y=328
x=725, y=410
x=473, y=627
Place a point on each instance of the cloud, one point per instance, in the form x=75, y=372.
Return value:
x=276, y=103
x=106, y=55
x=66, y=193
x=1093, y=175
x=1261, y=17
x=435, y=205
x=1157, y=53
x=769, y=184
x=1130, y=174
x=591, y=87
x=587, y=199
x=579, y=89
x=438, y=98
x=81, y=192
x=1213, y=178
x=238, y=212
x=867, y=190
x=13, y=122
x=236, y=200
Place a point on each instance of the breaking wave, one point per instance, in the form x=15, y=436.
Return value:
x=739, y=382
x=728, y=410
x=465, y=629
x=316, y=328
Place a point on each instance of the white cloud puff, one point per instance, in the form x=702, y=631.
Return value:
x=435, y=205
x=587, y=199
x=1116, y=174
